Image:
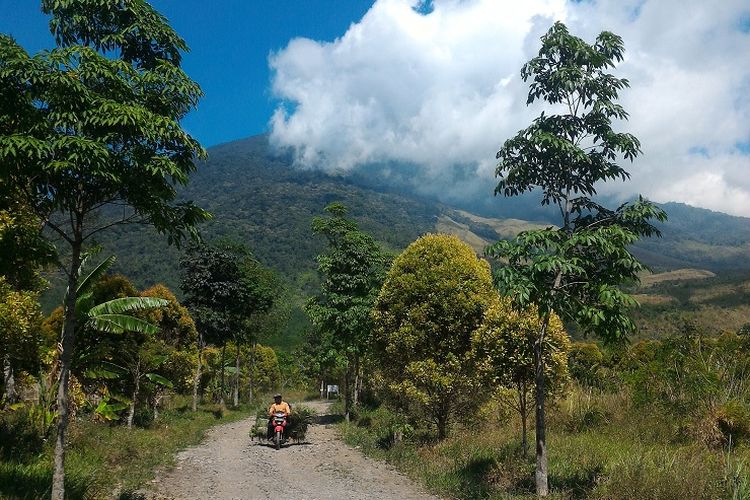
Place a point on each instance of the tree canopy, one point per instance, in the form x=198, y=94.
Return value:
x=433, y=299
x=90, y=137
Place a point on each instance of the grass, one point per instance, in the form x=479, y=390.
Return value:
x=103, y=459
x=622, y=453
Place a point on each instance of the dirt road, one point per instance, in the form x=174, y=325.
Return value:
x=230, y=466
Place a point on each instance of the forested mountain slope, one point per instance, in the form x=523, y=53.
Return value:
x=258, y=197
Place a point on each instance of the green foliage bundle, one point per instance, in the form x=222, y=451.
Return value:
x=434, y=297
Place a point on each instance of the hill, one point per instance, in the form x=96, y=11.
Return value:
x=258, y=198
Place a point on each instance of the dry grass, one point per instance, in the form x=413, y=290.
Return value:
x=447, y=225
x=676, y=275
x=505, y=228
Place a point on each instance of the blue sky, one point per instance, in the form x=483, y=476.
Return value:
x=230, y=41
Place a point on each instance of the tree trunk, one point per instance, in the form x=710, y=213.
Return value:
x=524, y=415
x=9, y=381
x=542, y=485
x=347, y=409
x=197, y=380
x=356, y=381
x=251, y=374
x=442, y=426
x=131, y=413
x=237, y=377
x=67, y=344
x=157, y=401
x=222, y=403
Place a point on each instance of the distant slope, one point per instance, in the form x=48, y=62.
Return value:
x=258, y=198
x=692, y=300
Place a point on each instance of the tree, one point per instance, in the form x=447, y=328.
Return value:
x=504, y=351
x=222, y=290
x=23, y=252
x=574, y=270
x=352, y=270
x=20, y=335
x=91, y=124
x=433, y=299
x=178, y=337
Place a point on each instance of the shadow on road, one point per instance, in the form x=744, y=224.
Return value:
x=269, y=444
x=328, y=419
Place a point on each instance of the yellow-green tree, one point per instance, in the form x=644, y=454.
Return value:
x=266, y=375
x=433, y=299
x=504, y=353
x=20, y=333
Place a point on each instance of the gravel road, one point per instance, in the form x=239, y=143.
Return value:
x=228, y=465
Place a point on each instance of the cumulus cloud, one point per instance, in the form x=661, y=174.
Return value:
x=440, y=89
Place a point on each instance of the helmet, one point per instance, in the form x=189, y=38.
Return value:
x=277, y=396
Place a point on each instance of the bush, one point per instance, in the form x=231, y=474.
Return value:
x=582, y=411
x=23, y=432
x=585, y=362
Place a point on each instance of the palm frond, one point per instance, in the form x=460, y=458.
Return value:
x=96, y=274
x=126, y=305
x=158, y=379
x=120, y=323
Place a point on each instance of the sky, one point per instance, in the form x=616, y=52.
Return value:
x=436, y=84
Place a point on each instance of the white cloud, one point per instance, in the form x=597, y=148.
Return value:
x=444, y=88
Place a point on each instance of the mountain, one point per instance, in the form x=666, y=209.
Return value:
x=258, y=197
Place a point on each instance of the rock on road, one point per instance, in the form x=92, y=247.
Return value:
x=229, y=466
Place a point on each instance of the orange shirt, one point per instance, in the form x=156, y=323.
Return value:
x=282, y=407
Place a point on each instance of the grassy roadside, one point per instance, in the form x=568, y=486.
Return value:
x=601, y=448
x=106, y=459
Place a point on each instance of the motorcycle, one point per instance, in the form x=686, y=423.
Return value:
x=279, y=425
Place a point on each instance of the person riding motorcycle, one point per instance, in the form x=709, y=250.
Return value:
x=277, y=406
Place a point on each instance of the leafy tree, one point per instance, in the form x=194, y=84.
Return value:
x=22, y=249
x=95, y=123
x=574, y=270
x=586, y=362
x=20, y=335
x=352, y=270
x=222, y=289
x=433, y=299
x=261, y=316
x=504, y=352
x=266, y=372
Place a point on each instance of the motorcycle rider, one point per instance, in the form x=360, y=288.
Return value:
x=277, y=406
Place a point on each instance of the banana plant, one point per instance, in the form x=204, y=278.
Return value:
x=113, y=316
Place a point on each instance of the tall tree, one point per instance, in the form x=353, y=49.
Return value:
x=94, y=123
x=352, y=268
x=222, y=290
x=574, y=270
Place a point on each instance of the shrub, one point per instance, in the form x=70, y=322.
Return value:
x=585, y=362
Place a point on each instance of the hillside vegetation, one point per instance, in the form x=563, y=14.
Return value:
x=258, y=197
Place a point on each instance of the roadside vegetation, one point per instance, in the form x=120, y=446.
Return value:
x=659, y=420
